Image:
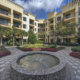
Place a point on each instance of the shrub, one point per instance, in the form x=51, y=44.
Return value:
x=39, y=41
x=76, y=49
x=32, y=37
x=52, y=46
x=34, y=46
x=60, y=48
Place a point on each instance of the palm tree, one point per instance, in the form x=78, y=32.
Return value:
x=21, y=33
x=3, y=32
x=13, y=34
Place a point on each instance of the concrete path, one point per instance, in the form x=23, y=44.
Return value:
x=73, y=64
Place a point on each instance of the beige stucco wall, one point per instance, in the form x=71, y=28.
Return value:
x=6, y=4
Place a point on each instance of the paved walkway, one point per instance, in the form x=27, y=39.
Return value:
x=72, y=63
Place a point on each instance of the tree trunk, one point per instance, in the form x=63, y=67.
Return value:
x=13, y=41
x=22, y=41
x=1, y=41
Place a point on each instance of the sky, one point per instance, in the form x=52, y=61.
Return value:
x=40, y=8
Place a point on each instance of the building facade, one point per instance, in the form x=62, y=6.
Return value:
x=10, y=14
x=70, y=14
x=41, y=30
x=13, y=14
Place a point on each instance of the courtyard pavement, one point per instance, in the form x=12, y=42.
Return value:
x=73, y=64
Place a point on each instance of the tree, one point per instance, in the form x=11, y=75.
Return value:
x=31, y=37
x=3, y=33
x=65, y=30
x=58, y=32
x=22, y=34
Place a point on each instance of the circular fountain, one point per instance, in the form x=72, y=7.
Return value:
x=38, y=66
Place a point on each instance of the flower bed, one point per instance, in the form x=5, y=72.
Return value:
x=39, y=49
x=4, y=52
x=49, y=49
x=75, y=54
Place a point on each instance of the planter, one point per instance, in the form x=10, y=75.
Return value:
x=4, y=53
x=75, y=54
x=39, y=49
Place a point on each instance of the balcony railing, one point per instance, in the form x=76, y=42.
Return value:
x=69, y=17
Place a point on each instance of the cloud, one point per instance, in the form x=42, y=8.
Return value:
x=33, y=5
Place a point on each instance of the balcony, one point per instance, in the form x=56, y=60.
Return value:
x=69, y=17
x=17, y=16
x=5, y=13
x=31, y=23
x=17, y=25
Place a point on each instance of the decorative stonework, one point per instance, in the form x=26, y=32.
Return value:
x=55, y=73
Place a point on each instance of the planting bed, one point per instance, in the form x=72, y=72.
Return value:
x=75, y=52
x=39, y=49
x=4, y=52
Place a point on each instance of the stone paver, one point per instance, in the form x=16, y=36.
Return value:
x=73, y=64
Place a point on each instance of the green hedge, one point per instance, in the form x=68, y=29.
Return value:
x=52, y=46
x=76, y=49
x=34, y=46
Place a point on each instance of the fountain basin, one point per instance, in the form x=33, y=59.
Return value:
x=38, y=65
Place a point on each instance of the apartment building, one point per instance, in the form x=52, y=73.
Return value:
x=25, y=25
x=10, y=14
x=30, y=23
x=13, y=14
x=70, y=14
x=41, y=30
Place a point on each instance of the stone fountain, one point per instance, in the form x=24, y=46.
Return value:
x=38, y=65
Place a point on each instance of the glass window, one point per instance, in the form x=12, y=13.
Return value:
x=24, y=26
x=79, y=11
x=16, y=24
x=36, y=24
x=79, y=30
x=35, y=29
x=79, y=21
x=16, y=16
x=4, y=11
x=3, y=21
x=24, y=19
x=68, y=16
x=59, y=18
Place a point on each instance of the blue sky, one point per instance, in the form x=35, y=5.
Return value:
x=40, y=8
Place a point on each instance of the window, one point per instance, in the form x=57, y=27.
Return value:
x=4, y=11
x=52, y=28
x=79, y=30
x=79, y=21
x=3, y=21
x=24, y=19
x=16, y=16
x=59, y=18
x=36, y=24
x=67, y=16
x=35, y=29
x=24, y=26
x=79, y=12
x=16, y=24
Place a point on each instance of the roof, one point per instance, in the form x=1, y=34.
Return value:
x=16, y=3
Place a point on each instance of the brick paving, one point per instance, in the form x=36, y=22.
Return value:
x=73, y=64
